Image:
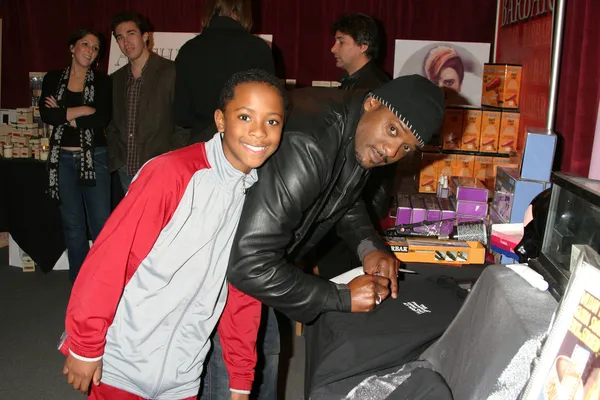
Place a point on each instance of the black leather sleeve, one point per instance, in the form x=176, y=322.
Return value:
x=357, y=230
x=288, y=185
x=378, y=192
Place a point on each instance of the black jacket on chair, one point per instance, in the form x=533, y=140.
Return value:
x=205, y=63
x=312, y=183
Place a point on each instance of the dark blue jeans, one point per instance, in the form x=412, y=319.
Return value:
x=124, y=178
x=82, y=206
x=216, y=380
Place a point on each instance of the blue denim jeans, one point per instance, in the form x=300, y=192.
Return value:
x=82, y=206
x=124, y=178
x=216, y=380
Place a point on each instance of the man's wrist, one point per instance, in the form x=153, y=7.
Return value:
x=365, y=248
x=345, y=297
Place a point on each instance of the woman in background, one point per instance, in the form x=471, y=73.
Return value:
x=76, y=101
x=204, y=63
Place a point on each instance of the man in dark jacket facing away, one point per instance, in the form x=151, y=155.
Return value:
x=225, y=46
x=331, y=141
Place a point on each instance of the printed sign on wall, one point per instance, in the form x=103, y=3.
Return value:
x=165, y=44
x=457, y=67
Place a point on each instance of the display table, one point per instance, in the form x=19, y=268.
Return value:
x=485, y=352
x=28, y=214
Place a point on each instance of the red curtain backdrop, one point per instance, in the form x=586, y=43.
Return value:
x=579, y=90
x=35, y=32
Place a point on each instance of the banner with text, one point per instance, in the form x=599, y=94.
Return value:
x=525, y=38
x=165, y=44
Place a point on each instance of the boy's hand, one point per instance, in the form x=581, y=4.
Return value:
x=81, y=373
x=239, y=396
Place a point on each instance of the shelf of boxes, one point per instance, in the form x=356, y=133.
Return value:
x=483, y=144
x=23, y=137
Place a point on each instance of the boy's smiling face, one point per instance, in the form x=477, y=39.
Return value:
x=251, y=125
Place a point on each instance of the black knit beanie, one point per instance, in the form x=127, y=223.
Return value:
x=416, y=101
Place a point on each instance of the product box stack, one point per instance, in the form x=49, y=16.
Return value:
x=486, y=153
x=475, y=145
x=26, y=262
x=18, y=258
x=22, y=137
x=470, y=199
x=439, y=166
x=465, y=200
x=516, y=185
x=419, y=208
x=475, y=141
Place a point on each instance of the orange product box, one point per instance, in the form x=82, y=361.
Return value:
x=516, y=158
x=447, y=165
x=452, y=129
x=501, y=85
x=465, y=165
x=471, y=129
x=490, y=129
x=503, y=162
x=428, y=175
x=484, y=170
x=509, y=131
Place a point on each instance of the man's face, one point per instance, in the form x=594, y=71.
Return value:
x=130, y=40
x=346, y=52
x=381, y=138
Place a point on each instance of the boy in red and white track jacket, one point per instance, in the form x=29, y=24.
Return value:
x=153, y=286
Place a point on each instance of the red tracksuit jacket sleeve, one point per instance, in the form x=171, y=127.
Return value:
x=238, y=328
x=125, y=240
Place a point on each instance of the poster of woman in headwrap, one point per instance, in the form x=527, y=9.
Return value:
x=457, y=67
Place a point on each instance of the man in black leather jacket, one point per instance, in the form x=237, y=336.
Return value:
x=314, y=182
x=356, y=48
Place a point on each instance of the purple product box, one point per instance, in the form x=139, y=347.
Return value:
x=434, y=213
x=495, y=217
x=404, y=209
x=469, y=189
x=448, y=210
x=461, y=219
x=418, y=209
x=448, y=216
x=471, y=208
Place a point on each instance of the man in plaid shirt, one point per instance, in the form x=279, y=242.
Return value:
x=142, y=125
